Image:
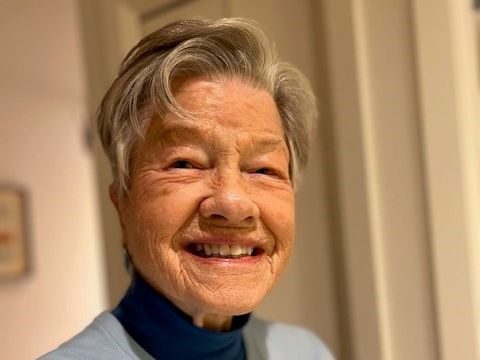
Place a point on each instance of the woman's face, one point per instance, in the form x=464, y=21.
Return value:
x=210, y=217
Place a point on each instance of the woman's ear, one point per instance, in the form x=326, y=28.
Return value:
x=119, y=205
x=112, y=190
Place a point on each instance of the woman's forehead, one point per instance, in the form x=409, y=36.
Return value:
x=226, y=105
x=229, y=98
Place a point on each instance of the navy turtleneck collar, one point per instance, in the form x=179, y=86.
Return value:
x=167, y=333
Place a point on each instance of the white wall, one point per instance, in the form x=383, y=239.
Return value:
x=42, y=116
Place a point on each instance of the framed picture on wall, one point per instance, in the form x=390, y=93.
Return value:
x=13, y=233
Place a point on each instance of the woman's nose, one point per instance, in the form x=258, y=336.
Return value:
x=230, y=204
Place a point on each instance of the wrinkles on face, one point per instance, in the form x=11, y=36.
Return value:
x=223, y=175
x=157, y=184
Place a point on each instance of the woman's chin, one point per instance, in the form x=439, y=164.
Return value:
x=228, y=304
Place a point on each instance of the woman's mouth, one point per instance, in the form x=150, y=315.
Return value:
x=222, y=251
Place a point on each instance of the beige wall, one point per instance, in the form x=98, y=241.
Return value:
x=42, y=148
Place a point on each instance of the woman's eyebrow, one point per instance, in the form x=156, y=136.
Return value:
x=270, y=143
x=175, y=134
x=181, y=133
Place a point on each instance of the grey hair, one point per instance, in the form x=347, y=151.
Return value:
x=232, y=47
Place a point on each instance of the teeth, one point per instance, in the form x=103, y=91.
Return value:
x=234, y=251
x=208, y=250
x=224, y=250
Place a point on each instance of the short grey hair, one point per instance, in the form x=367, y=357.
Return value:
x=232, y=47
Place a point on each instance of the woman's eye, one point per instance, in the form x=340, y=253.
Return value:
x=182, y=164
x=265, y=171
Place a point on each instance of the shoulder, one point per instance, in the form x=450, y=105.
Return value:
x=104, y=339
x=272, y=340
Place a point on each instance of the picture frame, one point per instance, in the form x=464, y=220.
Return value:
x=14, y=262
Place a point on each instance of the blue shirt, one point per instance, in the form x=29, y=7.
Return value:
x=106, y=338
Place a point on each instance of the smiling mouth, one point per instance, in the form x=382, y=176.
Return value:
x=223, y=251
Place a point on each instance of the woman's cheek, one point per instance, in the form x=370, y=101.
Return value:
x=166, y=210
x=277, y=211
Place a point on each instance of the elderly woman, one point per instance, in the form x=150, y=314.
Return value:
x=206, y=132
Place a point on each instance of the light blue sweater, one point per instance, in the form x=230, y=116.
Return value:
x=106, y=339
